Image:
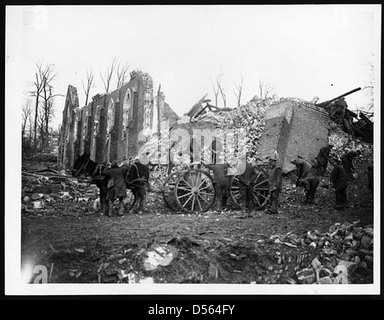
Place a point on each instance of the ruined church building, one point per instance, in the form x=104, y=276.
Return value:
x=109, y=127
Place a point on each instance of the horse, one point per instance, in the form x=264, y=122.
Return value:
x=136, y=180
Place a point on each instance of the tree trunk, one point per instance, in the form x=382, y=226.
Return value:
x=35, y=121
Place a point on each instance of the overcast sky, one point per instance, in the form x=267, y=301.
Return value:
x=302, y=51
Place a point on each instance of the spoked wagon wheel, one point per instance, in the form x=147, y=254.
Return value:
x=194, y=191
x=260, y=191
x=169, y=191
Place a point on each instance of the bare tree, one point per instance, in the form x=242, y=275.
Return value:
x=90, y=83
x=107, y=77
x=265, y=89
x=41, y=127
x=38, y=83
x=25, y=116
x=47, y=106
x=238, y=91
x=43, y=100
x=121, y=73
x=215, y=91
x=221, y=89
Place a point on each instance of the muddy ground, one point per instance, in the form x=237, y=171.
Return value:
x=78, y=245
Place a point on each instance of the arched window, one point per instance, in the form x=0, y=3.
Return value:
x=110, y=116
x=96, y=122
x=127, y=114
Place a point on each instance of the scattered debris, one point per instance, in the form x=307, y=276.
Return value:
x=159, y=256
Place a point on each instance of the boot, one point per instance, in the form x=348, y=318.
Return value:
x=109, y=208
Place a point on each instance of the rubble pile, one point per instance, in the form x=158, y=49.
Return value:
x=342, y=255
x=48, y=192
x=343, y=142
x=249, y=116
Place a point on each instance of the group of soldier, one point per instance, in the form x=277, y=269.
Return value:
x=308, y=177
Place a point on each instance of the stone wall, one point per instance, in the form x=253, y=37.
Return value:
x=111, y=126
x=293, y=128
x=66, y=154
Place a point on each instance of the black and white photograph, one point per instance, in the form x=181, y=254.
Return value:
x=192, y=150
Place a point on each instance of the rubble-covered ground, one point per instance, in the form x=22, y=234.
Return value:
x=303, y=244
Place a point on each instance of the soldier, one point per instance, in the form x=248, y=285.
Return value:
x=246, y=180
x=310, y=185
x=306, y=178
x=116, y=187
x=303, y=169
x=322, y=159
x=347, y=161
x=275, y=182
x=220, y=183
x=339, y=180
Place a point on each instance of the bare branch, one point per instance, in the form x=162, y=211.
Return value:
x=121, y=73
x=215, y=91
x=239, y=89
x=221, y=89
x=106, y=78
x=26, y=114
x=265, y=89
x=90, y=83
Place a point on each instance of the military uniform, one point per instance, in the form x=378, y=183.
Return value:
x=116, y=187
x=310, y=185
x=339, y=181
x=275, y=182
x=347, y=161
x=303, y=169
x=246, y=180
x=322, y=160
x=306, y=178
x=220, y=183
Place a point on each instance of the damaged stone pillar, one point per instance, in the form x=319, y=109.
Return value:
x=113, y=118
x=101, y=146
x=77, y=134
x=85, y=142
x=293, y=128
x=71, y=104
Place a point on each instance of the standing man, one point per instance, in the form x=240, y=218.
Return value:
x=275, y=181
x=246, y=180
x=347, y=161
x=339, y=180
x=116, y=187
x=220, y=183
x=322, y=159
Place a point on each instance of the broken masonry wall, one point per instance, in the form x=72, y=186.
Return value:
x=293, y=128
x=85, y=146
x=77, y=131
x=308, y=134
x=110, y=127
x=96, y=133
x=275, y=135
x=145, y=110
x=67, y=146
